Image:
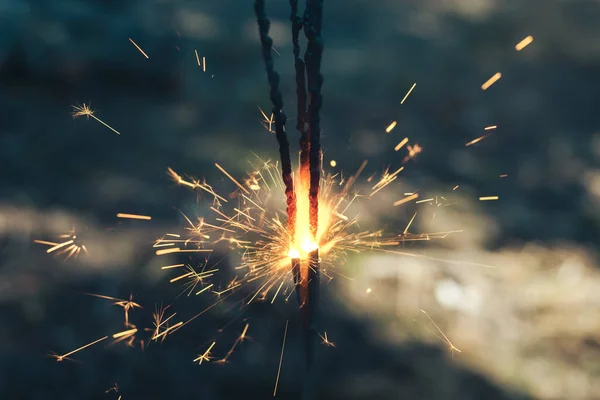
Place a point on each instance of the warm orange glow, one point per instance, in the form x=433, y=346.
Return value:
x=293, y=253
x=303, y=242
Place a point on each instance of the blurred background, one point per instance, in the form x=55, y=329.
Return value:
x=527, y=324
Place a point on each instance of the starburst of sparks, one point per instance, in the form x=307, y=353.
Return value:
x=325, y=340
x=85, y=111
x=252, y=220
x=255, y=226
x=68, y=245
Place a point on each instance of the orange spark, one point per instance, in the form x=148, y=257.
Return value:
x=405, y=97
x=172, y=266
x=134, y=216
x=60, y=245
x=401, y=144
x=139, y=48
x=206, y=356
x=491, y=81
x=452, y=347
x=406, y=199
x=127, y=305
x=86, y=111
x=424, y=200
x=280, y=359
x=413, y=151
x=178, y=250
x=524, y=43
x=326, y=341
x=477, y=140
x=232, y=178
x=125, y=334
x=60, y=358
x=238, y=340
x=390, y=127
x=488, y=128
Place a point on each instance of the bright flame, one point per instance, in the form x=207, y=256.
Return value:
x=293, y=253
x=303, y=242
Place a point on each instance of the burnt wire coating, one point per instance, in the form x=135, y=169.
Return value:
x=279, y=115
x=313, y=16
x=302, y=125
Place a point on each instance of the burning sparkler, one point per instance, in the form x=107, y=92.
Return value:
x=313, y=234
x=305, y=267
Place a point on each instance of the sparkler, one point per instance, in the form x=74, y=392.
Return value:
x=318, y=232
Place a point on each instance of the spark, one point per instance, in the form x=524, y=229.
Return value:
x=161, y=324
x=503, y=175
x=424, y=200
x=488, y=128
x=238, y=340
x=401, y=144
x=60, y=358
x=413, y=151
x=386, y=179
x=390, y=127
x=72, y=246
x=445, y=338
x=86, y=111
x=256, y=227
x=524, y=43
x=114, y=388
x=206, y=355
x=203, y=64
x=326, y=341
x=179, y=250
x=134, y=216
x=454, y=188
x=280, y=359
x=477, y=140
x=197, y=58
x=232, y=178
x=332, y=163
x=172, y=266
x=406, y=199
x=368, y=290
x=268, y=121
x=127, y=305
x=125, y=334
x=194, y=184
x=409, y=224
x=491, y=81
x=410, y=90
x=488, y=198
x=139, y=48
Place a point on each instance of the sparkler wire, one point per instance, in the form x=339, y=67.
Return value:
x=313, y=16
x=279, y=115
x=302, y=126
x=308, y=81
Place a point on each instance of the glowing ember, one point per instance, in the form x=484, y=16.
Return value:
x=491, y=81
x=524, y=43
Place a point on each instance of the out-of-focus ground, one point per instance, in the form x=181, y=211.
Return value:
x=527, y=324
